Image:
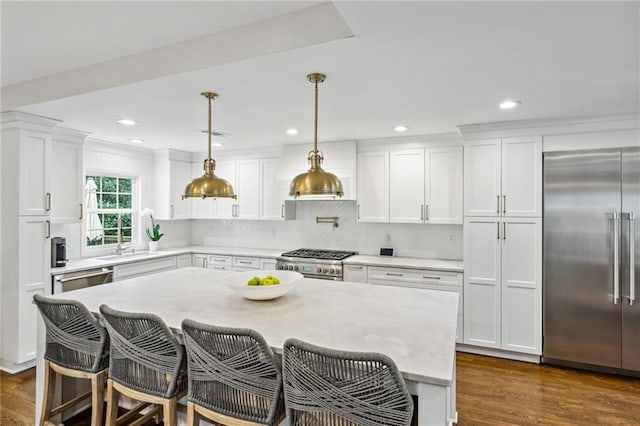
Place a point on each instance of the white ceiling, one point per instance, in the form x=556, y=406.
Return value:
x=429, y=65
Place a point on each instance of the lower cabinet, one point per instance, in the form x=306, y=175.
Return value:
x=422, y=278
x=183, y=260
x=216, y=261
x=231, y=263
x=503, y=283
x=268, y=264
x=199, y=260
x=146, y=267
x=355, y=273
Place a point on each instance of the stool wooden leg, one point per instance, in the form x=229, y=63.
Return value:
x=49, y=391
x=98, y=382
x=191, y=414
x=169, y=412
x=113, y=396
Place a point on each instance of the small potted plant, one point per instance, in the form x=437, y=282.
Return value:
x=153, y=234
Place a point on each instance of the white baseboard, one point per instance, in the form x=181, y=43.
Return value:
x=498, y=353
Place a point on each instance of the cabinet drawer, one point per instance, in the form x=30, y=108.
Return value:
x=199, y=260
x=215, y=261
x=183, y=260
x=416, y=276
x=268, y=264
x=138, y=269
x=246, y=262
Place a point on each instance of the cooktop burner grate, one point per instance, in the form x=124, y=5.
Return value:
x=319, y=254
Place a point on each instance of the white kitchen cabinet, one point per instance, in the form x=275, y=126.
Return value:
x=218, y=261
x=268, y=264
x=425, y=185
x=183, y=260
x=373, y=187
x=225, y=208
x=145, y=267
x=425, y=279
x=67, y=177
x=274, y=192
x=199, y=260
x=355, y=273
x=173, y=172
x=244, y=263
x=503, y=177
x=502, y=283
x=247, y=189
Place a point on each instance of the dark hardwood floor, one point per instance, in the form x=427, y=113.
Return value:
x=491, y=391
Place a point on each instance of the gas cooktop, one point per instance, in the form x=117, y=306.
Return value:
x=319, y=254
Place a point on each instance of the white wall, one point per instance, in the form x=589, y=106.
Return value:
x=412, y=240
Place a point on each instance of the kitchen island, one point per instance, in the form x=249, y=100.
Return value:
x=415, y=327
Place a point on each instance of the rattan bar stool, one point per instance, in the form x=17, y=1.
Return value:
x=146, y=363
x=76, y=346
x=234, y=377
x=324, y=386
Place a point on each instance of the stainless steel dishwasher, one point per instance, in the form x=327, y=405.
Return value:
x=81, y=279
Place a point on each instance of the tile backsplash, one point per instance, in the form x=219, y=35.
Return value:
x=411, y=240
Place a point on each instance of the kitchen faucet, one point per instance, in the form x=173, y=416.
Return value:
x=120, y=248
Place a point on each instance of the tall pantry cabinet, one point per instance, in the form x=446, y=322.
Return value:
x=25, y=232
x=503, y=244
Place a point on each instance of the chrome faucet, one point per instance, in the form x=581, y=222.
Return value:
x=120, y=248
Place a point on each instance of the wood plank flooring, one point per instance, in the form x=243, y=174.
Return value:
x=491, y=391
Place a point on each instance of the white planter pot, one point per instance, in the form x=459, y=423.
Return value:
x=153, y=245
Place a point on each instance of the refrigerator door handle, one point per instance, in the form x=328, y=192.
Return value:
x=632, y=269
x=616, y=258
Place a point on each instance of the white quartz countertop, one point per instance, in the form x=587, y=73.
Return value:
x=415, y=327
x=111, y=260
x=406, y=262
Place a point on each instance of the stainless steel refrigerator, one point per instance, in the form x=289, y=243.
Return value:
x=591, y=252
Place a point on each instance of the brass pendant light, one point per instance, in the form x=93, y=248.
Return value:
x=209, y=185
x=316, y=181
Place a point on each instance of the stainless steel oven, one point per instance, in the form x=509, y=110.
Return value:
x=314, y=263
x=81, y=279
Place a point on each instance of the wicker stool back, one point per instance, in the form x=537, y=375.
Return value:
x=233, y=371
x=145, y=355
x=74, y=338
x=330, y=387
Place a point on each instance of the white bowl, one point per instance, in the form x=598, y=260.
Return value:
x=238, y=283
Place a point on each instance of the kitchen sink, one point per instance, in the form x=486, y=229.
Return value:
x=135, y=255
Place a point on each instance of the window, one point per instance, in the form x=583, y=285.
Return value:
x=110, y=209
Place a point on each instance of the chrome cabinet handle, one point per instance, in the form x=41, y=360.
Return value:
x=498, y=231
x=48, y=234
x=358, y=212
x=422, y=212
x=427, y=277
x=48, y=202
x=171, y=210
x=393, y=275
x=426, y=212
x=246, y=262
x=504, y=230
x=616, y=259
x=237, y=210
x=282, y=211
x=498, y=204
x=632, y=269
x=357, y=268
x=504, y=204
x=81, y=212
x=204, y=262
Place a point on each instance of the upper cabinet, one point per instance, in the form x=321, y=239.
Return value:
x=247, y=189
x=502, y=177
x=67, y=180
x=411, y=186
x=274, y=202
x=172, y=174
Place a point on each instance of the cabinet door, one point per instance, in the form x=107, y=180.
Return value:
x=482, y=178
x=406, y=186
x=522, y=177
x=199, y=260
x=225, y=207
x=268, y=264
x=521, y=274
x=180, y=177
x=373, y=187
x=34, y=166
x=355, y=273
x=66, y=182
x=273, y=191
x=248, y=189
x=482, y=243
x=200, y=209
x=34, y=258
x=443, y=185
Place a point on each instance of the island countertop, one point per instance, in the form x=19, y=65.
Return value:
x=415, y=327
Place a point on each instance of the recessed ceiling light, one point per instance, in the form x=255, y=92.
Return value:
x=292, y=131
x=400, y=128
x=218, y=144
x=509, y=104
x=127, y=122
x=136, y=140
